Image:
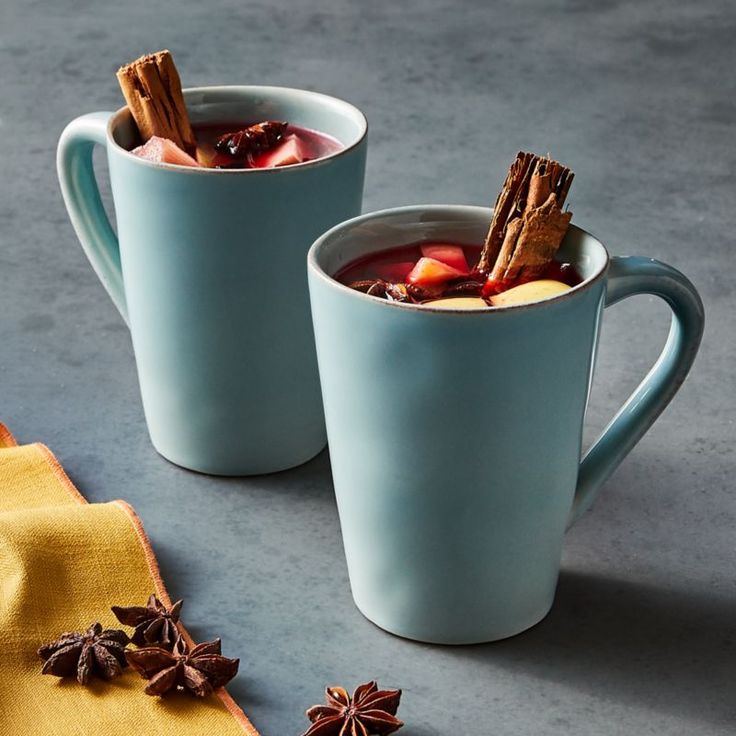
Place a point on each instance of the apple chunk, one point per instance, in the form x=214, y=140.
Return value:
x=290, y=151
x=164, y=151
x=430, y=271
x=451, y=255
x=458, y=302
x=532, y=291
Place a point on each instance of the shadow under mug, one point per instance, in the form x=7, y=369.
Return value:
x=207, y=270
x=455, y=436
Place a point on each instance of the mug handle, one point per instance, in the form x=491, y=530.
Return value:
x=84, y=205
x=628, y=276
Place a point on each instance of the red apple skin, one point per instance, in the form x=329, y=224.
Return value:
x=290, y=151
x=429, y=272
x=451, y=255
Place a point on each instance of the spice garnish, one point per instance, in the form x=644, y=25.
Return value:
x=199, y=671
x=83, y=654
x=369, y=711
x=528, y=223
x=252, y=140
x=152, y=89
x=154, y=623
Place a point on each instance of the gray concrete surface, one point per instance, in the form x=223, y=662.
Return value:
x=640, y=99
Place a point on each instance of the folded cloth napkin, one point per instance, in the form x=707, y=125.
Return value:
x=63, y=563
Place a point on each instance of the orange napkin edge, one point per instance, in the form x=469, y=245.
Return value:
x=7, y=440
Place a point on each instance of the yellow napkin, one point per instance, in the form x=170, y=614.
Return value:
x=63, y=563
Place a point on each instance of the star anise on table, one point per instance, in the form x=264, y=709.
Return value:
x=199, y=671
x=83, y=654
x=369, y=711
x=154, y=623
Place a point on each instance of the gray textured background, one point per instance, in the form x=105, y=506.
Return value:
x=640, y=99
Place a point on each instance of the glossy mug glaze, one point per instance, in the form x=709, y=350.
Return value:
x=207, y=269
x=455, y=436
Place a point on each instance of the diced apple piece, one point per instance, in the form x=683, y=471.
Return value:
x=430, y=271
x=290, y=151
x=532, y=291
x=163, y=151
x=393, y=271
x=451, y=255
x=459, y=302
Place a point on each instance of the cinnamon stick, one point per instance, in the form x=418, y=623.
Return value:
x=528, y=224
x=152, y=89
x=531, y=242
x=504, y=208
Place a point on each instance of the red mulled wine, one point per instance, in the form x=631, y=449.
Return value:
x=446, y=275
x=264, y=145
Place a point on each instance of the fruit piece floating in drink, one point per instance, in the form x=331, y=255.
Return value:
x=152, y=89
x=516, y=264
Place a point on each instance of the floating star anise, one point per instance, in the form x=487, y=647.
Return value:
x=399, y=292
x=154, y=623
x=199, y=671
x=369, y=711
x=83, y=654
x=372, y=287
x=253, y=139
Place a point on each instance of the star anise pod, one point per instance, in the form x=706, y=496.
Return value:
x=468, y=287
x=253, y=139
x=83, y=654
x=199, y=671
x=369, y=711
x=373, y=287
x=397, y=293
x=154, y=623
x=419, y=294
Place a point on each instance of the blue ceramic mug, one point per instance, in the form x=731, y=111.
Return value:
x=207, y=269
x=455, y=436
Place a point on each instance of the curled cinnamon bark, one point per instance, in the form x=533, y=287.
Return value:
x=152, y=89
x=531, y=242
x=528, y=224
x=505, y=208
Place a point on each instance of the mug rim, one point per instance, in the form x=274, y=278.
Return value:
x=471, y=210
x=348, y=107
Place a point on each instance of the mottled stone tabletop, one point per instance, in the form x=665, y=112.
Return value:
x=640, y=99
